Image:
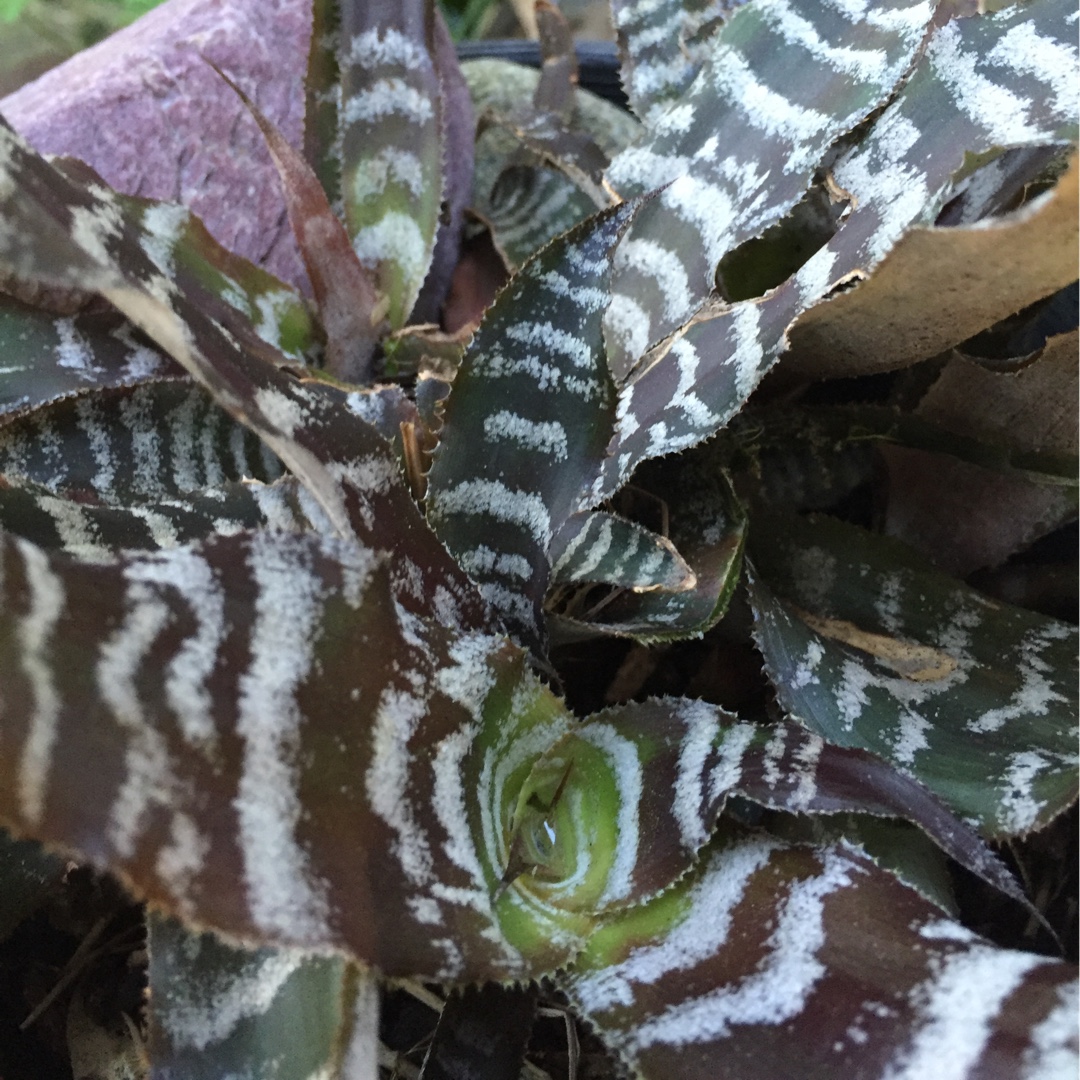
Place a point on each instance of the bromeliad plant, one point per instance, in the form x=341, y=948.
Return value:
x=277, y=638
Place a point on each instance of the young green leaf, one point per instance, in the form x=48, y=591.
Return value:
x=654, y=777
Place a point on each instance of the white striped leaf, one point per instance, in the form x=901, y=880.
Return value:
x=621, y=806
x=525, y=202
x=601, y=547
x=899, y=175
x=396, y=168
x=208, y=683
x=391, y=128
x=738, y=150
x=662, y=47
x=84, y=234
x=778, y=960
x=211, y=708
x=708, y=528
x=46, y=357
x=525, y=427
x=808, y=457
x=868, y=646
x=216, y=1010
x=91, y=530
x=183, y=247
x=148, y=443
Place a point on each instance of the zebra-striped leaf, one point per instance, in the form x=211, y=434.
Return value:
x=84, y=235
x=184, y=248
x=601, y=547
x=708, y=528
x=525, y=202
x=899, y=175
x=217, y=1011
x=740, y=147
x=148, y=443
x=93, y=531
x=44, y=357
x=774, y=960
x=654, y=777
x=662, y=47
x=868, y=646
x=391, y=128
x=458, y=829
x=525, y=427
x=207, y=684
x=806, y=458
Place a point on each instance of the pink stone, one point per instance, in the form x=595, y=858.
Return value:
x=145, y=111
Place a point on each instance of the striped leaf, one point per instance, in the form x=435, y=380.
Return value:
x=662, y=47
x=93, y=531
x=391, y=129
x=900, y=175
x=601, y=547
x=525, y=428
x=219, y=1011
x=211, y=705
x=708, y=528
x=868, y=646
x=149, y=443
x=84, y=235
x=526, y=202
x=777, y=960
x=184, y=248
x=47, y=357
x=652, y=778
x=805, y=456
x=322, y=97
x=740, y=147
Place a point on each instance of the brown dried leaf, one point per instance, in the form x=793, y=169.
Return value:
x=939, y=287
x=989, y=515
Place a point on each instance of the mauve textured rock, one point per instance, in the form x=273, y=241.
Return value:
x=153, y=119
